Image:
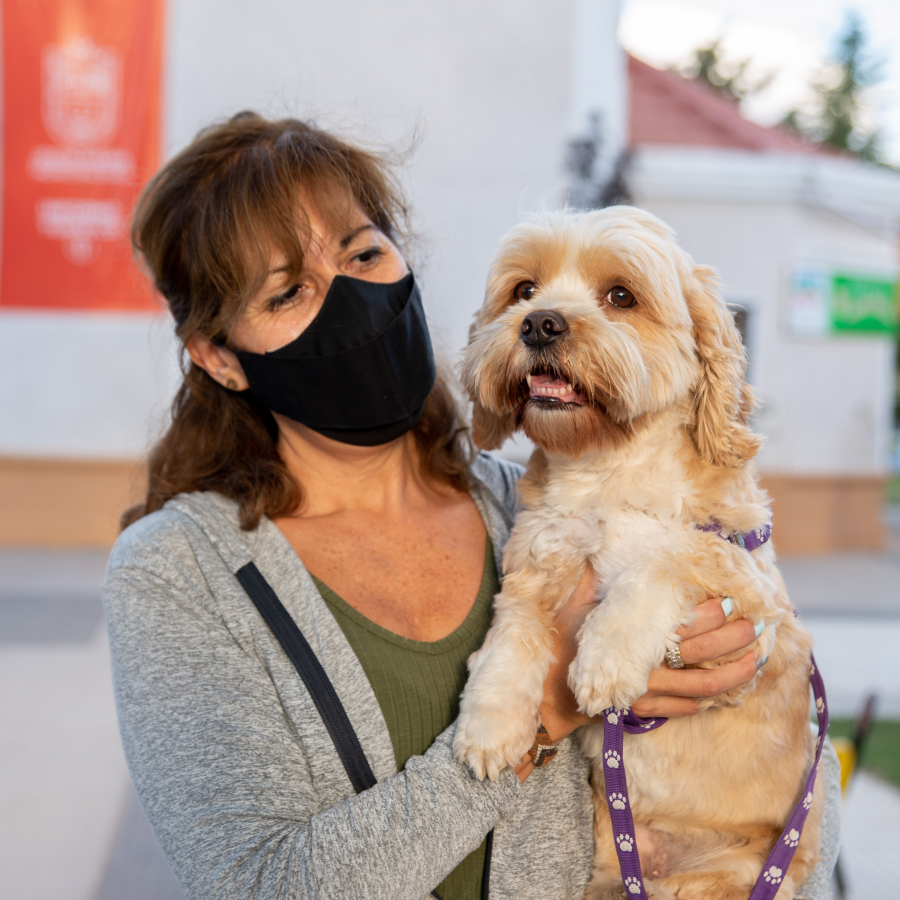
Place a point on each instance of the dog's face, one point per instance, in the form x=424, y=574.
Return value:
x=594, y=323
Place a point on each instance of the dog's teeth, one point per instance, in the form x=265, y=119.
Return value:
x=569, y=388
x=528, y=379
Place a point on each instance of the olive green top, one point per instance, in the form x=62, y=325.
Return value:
x=418, y=684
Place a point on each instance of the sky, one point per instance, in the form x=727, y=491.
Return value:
x=792, y=38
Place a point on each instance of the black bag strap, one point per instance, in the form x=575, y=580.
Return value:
x=313, y=675
x=323, y=694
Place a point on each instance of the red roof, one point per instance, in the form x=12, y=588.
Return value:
x=666, y=108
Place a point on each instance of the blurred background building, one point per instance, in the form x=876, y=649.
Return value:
x=490, y=92
x=509, y=112
x=805, y=242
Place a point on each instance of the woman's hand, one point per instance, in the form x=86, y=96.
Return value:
x=671, y=692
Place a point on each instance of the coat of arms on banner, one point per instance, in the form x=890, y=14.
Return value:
x=81, y=97
x=81, y=93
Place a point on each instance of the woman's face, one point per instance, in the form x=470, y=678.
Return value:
x=284, y=307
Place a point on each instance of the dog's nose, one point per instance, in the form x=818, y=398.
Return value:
x=542, y=327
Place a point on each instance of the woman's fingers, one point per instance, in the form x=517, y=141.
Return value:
x=651, y=705
x=732, y=636
x=702, y=682
x=671, y=692
x=707, y=617
x=674, y=692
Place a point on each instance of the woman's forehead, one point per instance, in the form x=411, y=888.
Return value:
x=328, y=213
x=322, y=222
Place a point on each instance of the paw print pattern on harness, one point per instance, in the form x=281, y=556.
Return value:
x=624, y=842
x=792, y=838
x=612, y=758
x=773, y=875
x=617, y=800
x=633, y=885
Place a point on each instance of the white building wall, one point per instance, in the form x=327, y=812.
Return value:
x=826, y=403
x=487, y=87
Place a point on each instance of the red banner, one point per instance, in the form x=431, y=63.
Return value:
x=81, y=104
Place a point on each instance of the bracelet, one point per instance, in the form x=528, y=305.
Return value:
x=543, y=750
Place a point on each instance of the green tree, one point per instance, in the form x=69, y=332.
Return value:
x=839, y=116
x=731, y=78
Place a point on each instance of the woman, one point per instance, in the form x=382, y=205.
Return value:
x=340, y=467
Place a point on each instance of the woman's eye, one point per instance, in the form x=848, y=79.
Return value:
x=621, y=297
x=367, y=256
x=281, y=299
x=524, y=290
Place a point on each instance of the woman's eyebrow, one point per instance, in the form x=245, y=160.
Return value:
x=346, y=241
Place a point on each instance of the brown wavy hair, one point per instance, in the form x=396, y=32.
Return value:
x=205, y=227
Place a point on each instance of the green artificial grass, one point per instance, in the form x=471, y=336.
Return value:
x=881, y=751
x=893, y=490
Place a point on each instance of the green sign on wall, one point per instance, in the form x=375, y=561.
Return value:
x=822, y=302
x=865, y=305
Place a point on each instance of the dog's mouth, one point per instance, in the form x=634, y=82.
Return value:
x=553, y=389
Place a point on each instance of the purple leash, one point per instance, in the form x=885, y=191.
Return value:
x=617, y=722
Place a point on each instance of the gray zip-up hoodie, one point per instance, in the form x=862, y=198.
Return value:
x=237, y=773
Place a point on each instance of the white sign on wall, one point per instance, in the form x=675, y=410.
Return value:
x=807, y=302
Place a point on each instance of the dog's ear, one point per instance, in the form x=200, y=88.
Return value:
x=723, y=401
x=490, y=429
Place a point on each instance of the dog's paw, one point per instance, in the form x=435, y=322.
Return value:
x=490, y=742
x=592, y=695
x=600, y=680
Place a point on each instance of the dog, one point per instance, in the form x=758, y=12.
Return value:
x=617, y=356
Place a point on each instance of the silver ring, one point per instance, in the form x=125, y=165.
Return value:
x=673, y=657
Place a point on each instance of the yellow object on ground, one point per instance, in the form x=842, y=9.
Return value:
x=846, y=752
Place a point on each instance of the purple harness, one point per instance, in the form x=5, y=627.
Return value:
x=749, y=541
x=616, y=722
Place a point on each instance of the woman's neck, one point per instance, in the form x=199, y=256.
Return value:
x=337, y=477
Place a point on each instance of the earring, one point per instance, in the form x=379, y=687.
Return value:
x=231, y=384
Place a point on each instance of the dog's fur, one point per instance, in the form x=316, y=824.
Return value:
x=660, y=445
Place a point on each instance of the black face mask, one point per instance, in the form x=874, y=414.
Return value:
x=361, y=370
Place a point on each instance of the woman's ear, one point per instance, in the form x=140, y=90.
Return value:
x=723, y=401
x=489, y=429
x=220, y=363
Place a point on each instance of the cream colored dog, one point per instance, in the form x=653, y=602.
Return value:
x=617, y=356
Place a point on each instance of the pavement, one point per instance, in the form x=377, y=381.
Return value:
x=69, y=819
x=870, y=851
x=71, y=827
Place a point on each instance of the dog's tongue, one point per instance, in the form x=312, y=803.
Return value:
x=555, y=388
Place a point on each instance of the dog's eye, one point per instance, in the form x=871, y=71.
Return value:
x=621, y=297
x=524, y=290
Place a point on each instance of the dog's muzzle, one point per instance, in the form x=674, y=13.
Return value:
x=542, y=327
